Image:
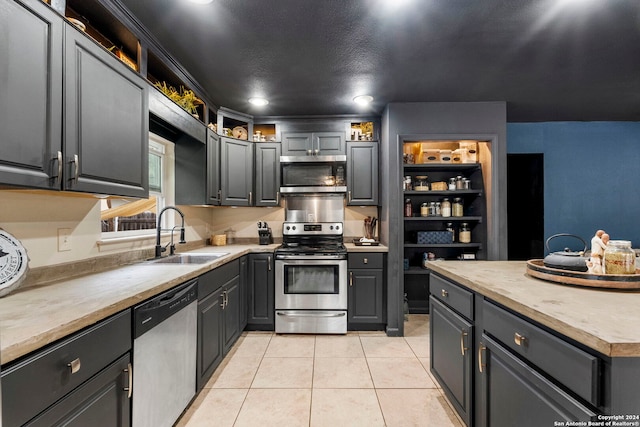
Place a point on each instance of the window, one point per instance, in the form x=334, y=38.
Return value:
x=124, y=217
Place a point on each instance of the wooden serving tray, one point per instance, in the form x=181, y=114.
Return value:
x=536, y=268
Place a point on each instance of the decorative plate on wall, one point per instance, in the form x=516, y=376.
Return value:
x=240, y=133
x=14, y=263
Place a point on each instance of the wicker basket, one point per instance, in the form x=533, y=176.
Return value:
x=438, y=186
x=219, y=239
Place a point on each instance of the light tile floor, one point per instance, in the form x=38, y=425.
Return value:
x=359, y=379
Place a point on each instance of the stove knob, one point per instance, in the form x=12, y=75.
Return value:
x=331, y=228
x=294, y=227
x=337, y=227
x=288, y=227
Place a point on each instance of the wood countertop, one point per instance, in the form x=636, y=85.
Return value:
x=32, y=317
x=605, y=320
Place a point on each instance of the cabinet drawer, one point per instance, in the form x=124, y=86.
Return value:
x=33, y=384
x=212, y=280
x=452, y=295
x=366, y=260
x=574, y=368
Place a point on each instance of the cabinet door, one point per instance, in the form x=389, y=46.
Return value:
x=297, y=143
x=106, y=124
x=213, y=168
x=30, y=95
x=236, y=172
x=329, y=143
x=103, y=401
x=210, y=349
x=267, y=174
x=515, y=394
x=231, y=311
x=244, y=277
x=365, y=296
x=451, y=356
x=362, y=173
x=261, y=292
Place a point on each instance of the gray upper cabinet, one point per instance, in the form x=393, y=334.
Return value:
x=93, y=136
x=267, y=182
x=236, y=172
x=362, y=173
x=313, y=143
x=213, y=168
x=106, y=125
x=30, y=95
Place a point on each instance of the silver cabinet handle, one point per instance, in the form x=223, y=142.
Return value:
x=226, y=298
x=365, y=261
x=76, y=162
x=349, y=196
x=444, y=293
x=269, y=262
x=222, y=303
x=60, y=163
x=480, y=364
x=219, y=195
x=129, y=387
x=277, y=197
x=463, y=335
x=519, y=339
x=351, y=278
x=250, y=198
x=75, y=365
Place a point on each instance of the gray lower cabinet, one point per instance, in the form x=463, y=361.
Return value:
x=516, y=394
x=366, y=291
x=267, y=179
x=451, y=357
x=313, y=143
x=82, y=380
x=362, y=173
x=261, y=293
x=74, y=117
x=218, y=318
x=236, y=172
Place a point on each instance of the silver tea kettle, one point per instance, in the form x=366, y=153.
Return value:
x=566, y=259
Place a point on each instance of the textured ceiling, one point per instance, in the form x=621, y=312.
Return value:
x=548, y=59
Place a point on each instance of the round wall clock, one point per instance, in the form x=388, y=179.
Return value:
x=14, y=263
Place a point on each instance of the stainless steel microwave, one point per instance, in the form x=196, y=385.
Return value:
x=313, y=174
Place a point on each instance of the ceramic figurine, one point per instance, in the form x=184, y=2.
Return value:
x=598, y=246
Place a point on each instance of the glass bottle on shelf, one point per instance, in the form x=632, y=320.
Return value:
x=452, y=184
x=424, y=209
x=449, y=227
x=465, y=233
x=438, y=209
x=619, y=258
x=432, y=208
x=445, y=208
x=408, y=209
x=457, y=207
x=421, y=183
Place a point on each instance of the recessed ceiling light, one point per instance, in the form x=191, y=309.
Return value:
x=201, y=1
x=363, y=99
x=258, y=101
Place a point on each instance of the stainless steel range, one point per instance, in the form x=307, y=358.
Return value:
x=311, y=268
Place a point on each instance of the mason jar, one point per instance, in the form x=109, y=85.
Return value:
x=457, y=207
x=424, y=209
x=464, y=236
x=619, y=258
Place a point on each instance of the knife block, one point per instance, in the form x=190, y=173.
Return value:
x=265, y=236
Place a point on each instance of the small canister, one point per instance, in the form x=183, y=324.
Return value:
x=457, y=208
x=421, y=183
x=466, y=184
x=449, y=227
x=619, y=258
x=424, y=209
x=465, y=233
x=432, y=208
x=452, y=184
x=459, y=182
x=445, y=208
x=438, y=209
x=406, y=183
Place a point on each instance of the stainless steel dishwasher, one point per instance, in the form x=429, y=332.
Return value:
x=164, y=356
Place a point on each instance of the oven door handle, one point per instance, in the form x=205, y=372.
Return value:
x=311, y=257
x=311, y=315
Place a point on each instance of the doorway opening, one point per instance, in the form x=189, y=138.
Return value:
x=525, y=206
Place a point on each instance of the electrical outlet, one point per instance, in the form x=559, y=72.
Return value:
x=64, y=239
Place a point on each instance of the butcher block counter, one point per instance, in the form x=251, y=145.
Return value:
x=604, y=320
x=33, y=317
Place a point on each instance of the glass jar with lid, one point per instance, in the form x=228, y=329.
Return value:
x=424, y=209
x=464, y=236
x=421, y=183
x=619, y=258
x=445, y=208
x=457, y=207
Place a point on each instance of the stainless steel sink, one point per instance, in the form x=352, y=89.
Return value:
x=195, y=258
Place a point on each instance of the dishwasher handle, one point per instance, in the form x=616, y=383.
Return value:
x=153, y=312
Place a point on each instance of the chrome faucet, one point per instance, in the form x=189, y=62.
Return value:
x=172, y=248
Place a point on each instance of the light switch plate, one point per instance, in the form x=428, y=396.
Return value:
x=64, y=239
